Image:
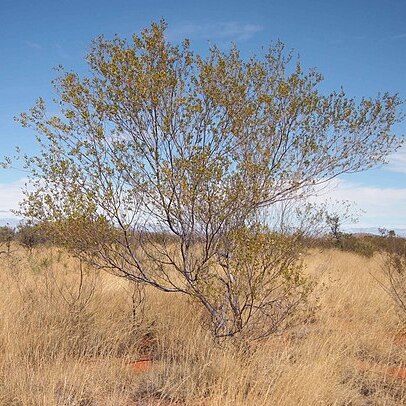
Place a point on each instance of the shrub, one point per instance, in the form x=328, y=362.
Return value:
x=395, y=271
x=159, y=141
x=359, y=245
x=31, y=236
x=7, y=235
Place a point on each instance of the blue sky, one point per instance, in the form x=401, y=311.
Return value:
x=357, y=44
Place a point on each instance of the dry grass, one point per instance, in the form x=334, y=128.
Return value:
x=57, y=349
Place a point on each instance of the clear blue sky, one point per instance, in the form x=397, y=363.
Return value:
x=358, y=44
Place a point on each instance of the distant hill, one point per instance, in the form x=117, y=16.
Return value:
x=401, y=232
x=11, y=222
x=375, y=230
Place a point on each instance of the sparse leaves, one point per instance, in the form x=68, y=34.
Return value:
x=159, y=141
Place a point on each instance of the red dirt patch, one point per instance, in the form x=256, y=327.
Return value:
x=396, y=372
x=141, y=365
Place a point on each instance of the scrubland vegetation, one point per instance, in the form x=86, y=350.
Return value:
x=70, y=335
x=168, y=258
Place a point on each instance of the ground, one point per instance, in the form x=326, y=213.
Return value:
x=65, y=345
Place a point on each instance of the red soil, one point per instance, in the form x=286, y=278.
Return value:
x=396, y=372
x=141, y=365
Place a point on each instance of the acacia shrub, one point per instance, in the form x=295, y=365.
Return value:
x=158, y=140
x=394, y=268
x=7, y=235
x=31, y=235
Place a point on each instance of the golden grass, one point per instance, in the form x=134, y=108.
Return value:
x=59, y=350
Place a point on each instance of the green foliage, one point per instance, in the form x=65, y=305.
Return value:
x=360, y=245
x=334, y=224
x=161, y=141
x=80, y=235
x=395, y=271
x=7, y=235
x=255, y=282
x=31, y=235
